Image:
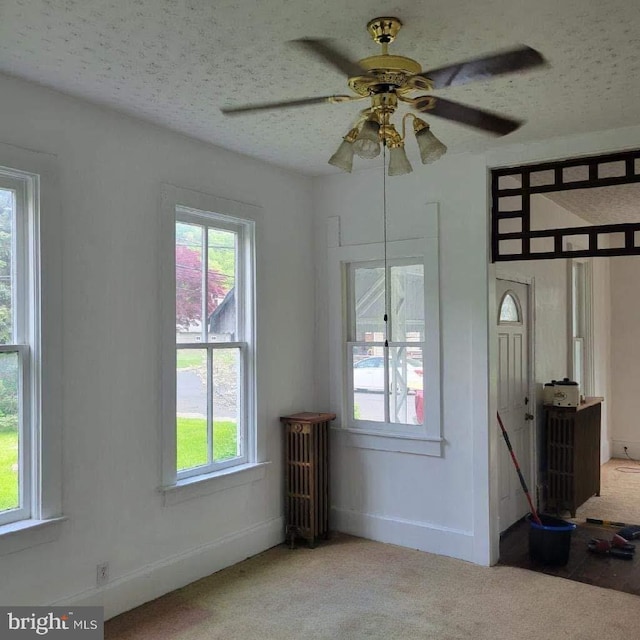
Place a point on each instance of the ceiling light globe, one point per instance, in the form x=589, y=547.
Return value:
x=398, y=162
x=367, y=144
x=343, y=157
x=430, y=147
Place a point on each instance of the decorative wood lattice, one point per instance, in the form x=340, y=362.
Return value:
x=517, y=245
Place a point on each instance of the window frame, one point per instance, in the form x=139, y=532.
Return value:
x=189, y=206
x=26, y=310
x=580, y=276
x=518, y=306
x=244, y=297
x=423, y=439
x=351, y=342
x=40, y=277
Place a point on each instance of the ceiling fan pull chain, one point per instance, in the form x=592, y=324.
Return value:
x=384, y=238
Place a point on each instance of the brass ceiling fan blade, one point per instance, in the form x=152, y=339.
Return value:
x=472, y=116
x=517, y=59
x=287, y=104
x=328, y=53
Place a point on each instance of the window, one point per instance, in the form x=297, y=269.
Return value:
x=386, y=385
x=509, y=309
x=208, y=393
x=16, y=351
x=30, y=354
x=581, y=326
x=387, y=398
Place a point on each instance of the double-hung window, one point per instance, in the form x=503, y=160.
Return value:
x=31, y=367
x=16, y=351
x=386, y=382
x=209, y=400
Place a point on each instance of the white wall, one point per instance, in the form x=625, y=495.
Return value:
x=449, y=504
x=111, y=168
x=552, y=316
x=625, y=350
x=421, y=501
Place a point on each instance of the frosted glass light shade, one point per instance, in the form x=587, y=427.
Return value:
x=430, y=147
x=367, y=144
x=343, y=157
x=398, y=162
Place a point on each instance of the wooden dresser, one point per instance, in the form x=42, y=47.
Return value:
x=573, y=454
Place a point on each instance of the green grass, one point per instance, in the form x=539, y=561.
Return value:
x=190, y=358
x=192, y=441
x=8, y=477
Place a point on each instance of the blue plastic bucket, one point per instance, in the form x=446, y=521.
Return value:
x=550, y=542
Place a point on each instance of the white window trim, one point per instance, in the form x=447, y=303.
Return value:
x=244, y=289
x=586, y=310
x=423, y=439
x=39, y=171
x=176, y=489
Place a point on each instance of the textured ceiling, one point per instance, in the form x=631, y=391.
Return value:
x=176, y=62
x=597, y=205
x=602, y=205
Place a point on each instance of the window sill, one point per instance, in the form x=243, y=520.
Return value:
x=420, y=444
x=206, y=484
x=17, y=536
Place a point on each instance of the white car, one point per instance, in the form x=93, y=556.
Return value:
x=368, y=374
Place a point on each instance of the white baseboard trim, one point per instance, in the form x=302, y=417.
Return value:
x=154, y=580
x=633, y=449
x=405, y=533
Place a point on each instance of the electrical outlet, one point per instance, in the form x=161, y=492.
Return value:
x=102, y=574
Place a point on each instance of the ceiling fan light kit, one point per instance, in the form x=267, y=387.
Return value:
x=343, y=157
x=387, y=80
x=431, y=149
x=398, y=162
x=367, y=144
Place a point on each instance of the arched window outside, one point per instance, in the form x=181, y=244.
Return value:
x=510, y=309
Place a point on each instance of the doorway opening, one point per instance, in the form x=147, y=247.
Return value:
x=578, y=246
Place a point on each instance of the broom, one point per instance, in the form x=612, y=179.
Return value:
x=534, y=513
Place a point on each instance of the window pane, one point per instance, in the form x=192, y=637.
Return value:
x=368, y=384
x=406, y=384
x=221, y=280
x=509, y=309
x=189, y=249
x=7, y=217
x=226, y=404
x=9, y=439
x=191, y=408
x=407, y=303
x=368, y=304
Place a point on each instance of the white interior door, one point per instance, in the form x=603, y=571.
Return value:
x=514, y=405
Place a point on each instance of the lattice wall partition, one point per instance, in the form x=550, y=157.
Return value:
x=512, y=235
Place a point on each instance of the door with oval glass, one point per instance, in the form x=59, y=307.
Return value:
x=514, y=404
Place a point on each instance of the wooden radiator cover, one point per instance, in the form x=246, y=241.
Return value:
x=573, y=455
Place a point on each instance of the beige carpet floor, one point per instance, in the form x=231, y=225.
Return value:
x=619, y=498
x=350, y=588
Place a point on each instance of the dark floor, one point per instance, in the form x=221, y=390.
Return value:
x=583, y=566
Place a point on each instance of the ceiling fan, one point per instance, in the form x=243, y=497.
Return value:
x=387, y=80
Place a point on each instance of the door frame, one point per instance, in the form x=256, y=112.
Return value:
x=503, y=273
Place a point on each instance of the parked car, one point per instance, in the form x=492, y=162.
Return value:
x=368, y=374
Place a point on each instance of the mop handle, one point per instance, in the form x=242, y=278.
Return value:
x=534, y=513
